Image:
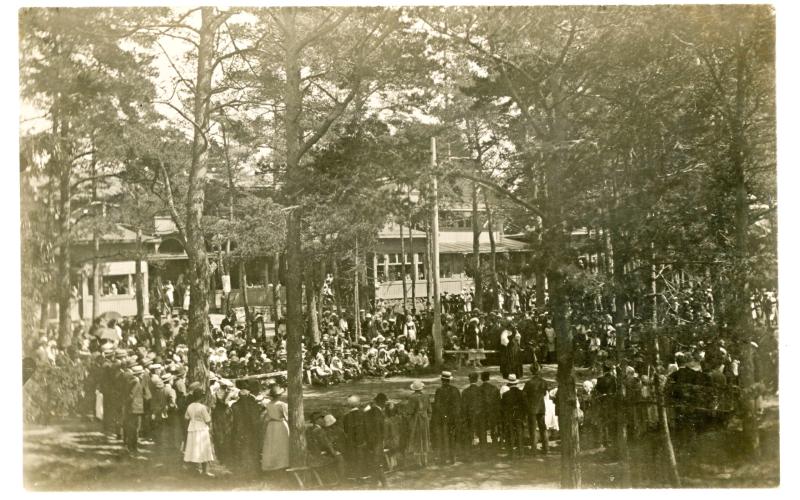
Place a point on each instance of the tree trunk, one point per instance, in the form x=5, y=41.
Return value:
x=414, y=263
x=493, y=249
x=294, y=339
x=663, y=421
x=96, y=274
x=567, y=395
x=437, y=302
x=403, y=268
x=294, y=288
x=140, y=312
x=476, y=249
x=64, y=256
x=198, y=334
x=313, y=335
x=356, y=299
x=276, y=281
x=428, y=277
x=336, y=288
x=248, y=319
x=622, y=411
x=741, y=269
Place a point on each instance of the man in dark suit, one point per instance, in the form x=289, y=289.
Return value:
x=472, y=412
x=513, y=408
x=490, y=398
x=606, y=390
x=374, y=427
x=446, y=413
x=535, y=390
x=355, y=435
x=682, y=386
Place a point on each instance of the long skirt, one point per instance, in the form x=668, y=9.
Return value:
x=275, y=453
x=419, y=443
x=199, y=449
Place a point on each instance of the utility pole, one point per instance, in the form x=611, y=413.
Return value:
x=437, y=309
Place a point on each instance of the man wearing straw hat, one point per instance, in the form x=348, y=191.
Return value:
x=513, y=405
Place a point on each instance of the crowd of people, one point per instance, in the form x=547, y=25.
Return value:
x=137, y=384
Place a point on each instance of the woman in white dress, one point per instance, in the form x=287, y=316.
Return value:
x=275, y=452
x=199, y=449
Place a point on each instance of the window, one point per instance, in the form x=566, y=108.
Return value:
x=117, y=285
x=395, y=267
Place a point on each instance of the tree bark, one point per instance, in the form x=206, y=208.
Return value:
x=140, y=312
x=414, y=270
x=663, y=421
x=403, y=268
x=276, y=281
x=741, y=285
x=248, y=319
x=493, y=249
x=64, y=256
x=428, y=277
x=294, y=247
x=198, y=334
x=567, y=395
x=313, y=335
x=476, y=249
x=336, y=288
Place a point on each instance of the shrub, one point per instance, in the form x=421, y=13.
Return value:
x=54, y=391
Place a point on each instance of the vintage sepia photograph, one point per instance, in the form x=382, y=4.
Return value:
x=398, y=247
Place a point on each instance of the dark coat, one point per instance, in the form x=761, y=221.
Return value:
x=513, y=405
x=490, y=396
x=355, y=432
x=472, y=402
x=534, y=391
x=245, y=429
x=446, y=404
x=375, y=428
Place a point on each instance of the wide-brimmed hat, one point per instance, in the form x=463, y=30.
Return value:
x=137, y=369
x=353, y=401
x=166, y=377
x=512, y=379
x=447, y=375
x=417, y=385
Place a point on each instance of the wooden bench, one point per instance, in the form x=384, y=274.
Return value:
x=470, y=354
x=302, y=475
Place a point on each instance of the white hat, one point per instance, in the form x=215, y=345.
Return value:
x=512, y=379
x=328, y=420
